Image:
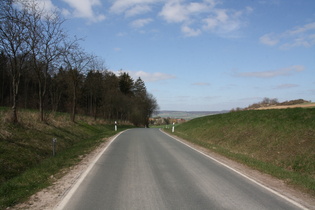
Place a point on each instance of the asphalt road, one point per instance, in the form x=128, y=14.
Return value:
x=146, y=169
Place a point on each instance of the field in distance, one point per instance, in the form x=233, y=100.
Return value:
x=304, y=105
x=186, y=115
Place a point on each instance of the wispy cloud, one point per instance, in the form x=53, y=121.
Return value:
x=152, y=77
x=175, y=11
x=269, y=39
x=147, y=76
x=117, y=49
x=224, y=21
x=286, y=86
x=132, y=7
x=205, y=16
x=300, y=36
x=138, y=10
x=140, y=22
x=84, y=9
x=271, y=2
x=201, y=84
x=43, y=5
x=274, y=73
x=193, y=17
x=188, y=31
x=46, y=5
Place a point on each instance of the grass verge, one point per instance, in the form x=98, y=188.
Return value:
x=27, y=164
x=278, y=142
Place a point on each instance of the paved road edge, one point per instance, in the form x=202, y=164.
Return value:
x=74, y=187
x=238, y=172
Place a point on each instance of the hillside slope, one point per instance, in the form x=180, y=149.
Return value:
x=26, y=157
x=279, y=142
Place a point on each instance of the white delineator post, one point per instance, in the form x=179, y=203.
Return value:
x=115, y=125
x=173, y=128
x=54, y=142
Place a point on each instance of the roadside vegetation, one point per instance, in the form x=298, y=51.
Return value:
x=279, y=142
x=26, y=154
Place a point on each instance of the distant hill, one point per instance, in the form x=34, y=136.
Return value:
x=187, y=115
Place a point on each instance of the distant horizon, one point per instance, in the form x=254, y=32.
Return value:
x=189, y=111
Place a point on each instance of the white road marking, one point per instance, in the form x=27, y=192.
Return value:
x=240, y=173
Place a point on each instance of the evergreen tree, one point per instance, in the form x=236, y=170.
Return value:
x=126, y=83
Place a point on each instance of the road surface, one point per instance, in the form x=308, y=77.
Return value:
x=147, y=169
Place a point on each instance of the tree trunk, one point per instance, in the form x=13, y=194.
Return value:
x=74, y=104
x=15, y=98
x=41, y=107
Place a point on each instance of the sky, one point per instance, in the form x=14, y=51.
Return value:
x=202, y=55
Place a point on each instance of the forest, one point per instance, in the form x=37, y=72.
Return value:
x=42, y=67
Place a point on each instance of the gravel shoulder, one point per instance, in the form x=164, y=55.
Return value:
x=50, y=197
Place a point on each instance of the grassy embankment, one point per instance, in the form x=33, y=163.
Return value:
x=26, y=160
x=277, y=142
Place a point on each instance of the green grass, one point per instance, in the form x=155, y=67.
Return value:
x=277, y=142
x=26, y=157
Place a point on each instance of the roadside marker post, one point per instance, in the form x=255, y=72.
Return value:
x=115, y=125
x=173, y=128
x=54, y=142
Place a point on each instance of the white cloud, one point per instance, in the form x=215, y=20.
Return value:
x=201, y=84
x=203, y=15
x=117, y=49
x=270, y=74
x=190, y=32
x=303, y=41
x=301, y=36
x=268, y=39
x=173, y=12
x=121, y=34
x=132, y=7
x=148, y=77
x=301, y=29
x=151, y=77
x=271, y=2
x=84, y=9
x=193, y=17
x=286, y=86
x=223, y=21
x=137, y=10
x=46, y=4
x=140, y=22
x=176, y=11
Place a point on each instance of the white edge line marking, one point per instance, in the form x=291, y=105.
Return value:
x=238, y=172
x=74, y=188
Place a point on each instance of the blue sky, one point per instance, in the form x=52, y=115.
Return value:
x=202, y=55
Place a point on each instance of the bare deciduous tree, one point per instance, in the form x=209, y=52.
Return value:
x=45, y=37
x=13, y=42
x=77, y=63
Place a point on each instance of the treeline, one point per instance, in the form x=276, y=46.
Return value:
x=42, y=68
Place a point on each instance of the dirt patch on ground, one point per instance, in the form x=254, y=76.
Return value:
x=50, y=197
